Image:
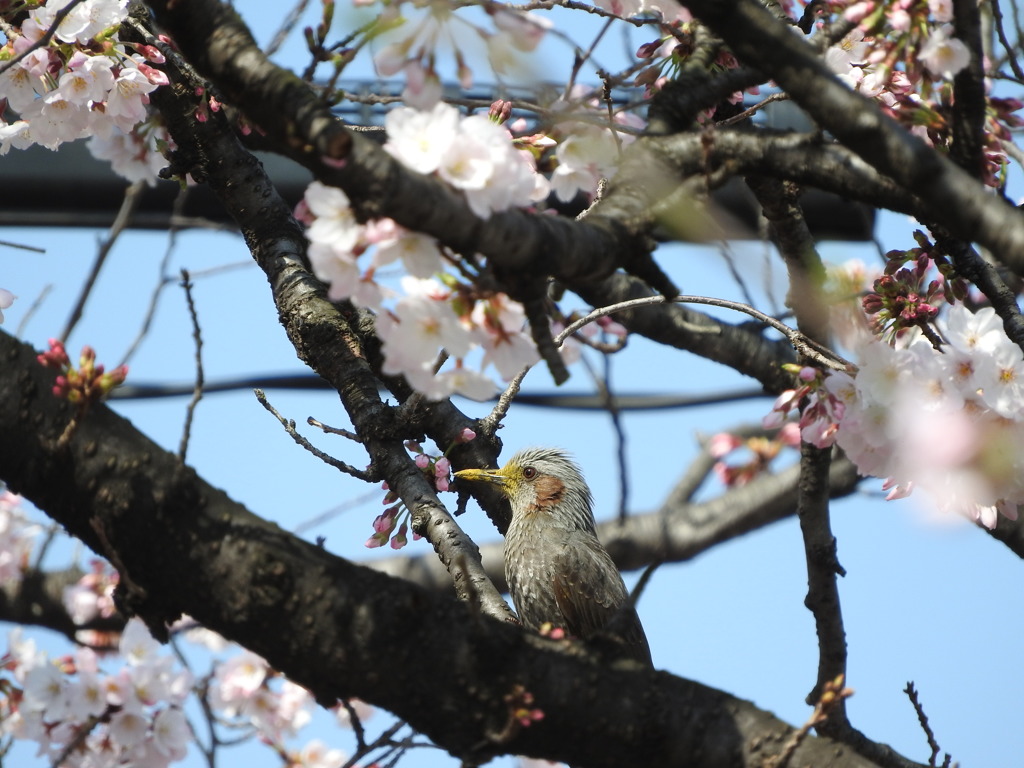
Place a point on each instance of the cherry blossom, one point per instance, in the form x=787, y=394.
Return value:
x=945, y=423
x=81, y=83
x=16, y=538
x=51, y=701
x=943, y=54
x=6, y=300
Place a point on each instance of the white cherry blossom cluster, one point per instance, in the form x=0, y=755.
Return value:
x=81, y=83
x=414, y=36
x=472, y=153
x=588, y=151
x=17, y=534
x=245, y=688
x=947, y=422
x=245, y=691
x=432, y=310
x=130, y=717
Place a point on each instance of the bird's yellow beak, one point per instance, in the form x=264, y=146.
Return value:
x=492, y=476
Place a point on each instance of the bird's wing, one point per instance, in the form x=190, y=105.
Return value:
x=592, y=597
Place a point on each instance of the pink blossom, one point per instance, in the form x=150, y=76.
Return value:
x=943, y=54
x=419, y=139
x=789, y=434
x=941, y=10
x=316, y=754
x=526, y=30
x=6, y=300
x=859, y=11
x=723, y=443
x=127, y=100
x=400, y=539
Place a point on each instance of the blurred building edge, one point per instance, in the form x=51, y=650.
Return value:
x=70, y=188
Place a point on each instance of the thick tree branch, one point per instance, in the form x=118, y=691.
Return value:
x=968, y=110
x=38, y=599
x=807, y=159
x=301, y=126
x=318, y=331
x=822, y=569
x=971, y=212
x=185, y=547
x=790, y=234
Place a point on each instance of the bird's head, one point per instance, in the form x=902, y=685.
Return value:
x=542, y=484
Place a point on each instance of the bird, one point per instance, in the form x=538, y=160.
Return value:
x=557, y=570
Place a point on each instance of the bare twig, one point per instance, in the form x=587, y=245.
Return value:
x=326, y=428
x=197, y=392
x=822, y=569
x=490, y=423
x=922, y=718
x=750, y=111
x=163, y=280
x=36, y=304
x=22, y=246
x=289, y=427
x=997, y=16
x=286, y=27
x=357, y=726
x=805, y=346
x=132, y=196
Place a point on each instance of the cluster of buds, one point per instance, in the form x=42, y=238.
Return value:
x=834, y=693
x=762, y=451
x=500, y=111
x=392, y=525
x=386, y=527
x=820, y=409
x=520, y=704
x=89, y=383
x=208, y=103
x=909, y=293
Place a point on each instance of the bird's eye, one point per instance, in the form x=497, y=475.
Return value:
x=529, y=473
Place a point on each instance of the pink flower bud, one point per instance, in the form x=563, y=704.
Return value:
x=773, y=420
x=789, y=434
x=859, y=11
x=722, y=443
x=647, y=50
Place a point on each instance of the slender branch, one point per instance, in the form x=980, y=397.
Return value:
x=997, y=15
x=289, y=427
x=132, y=197
x=197, y=393
x=801, y=343
x=822, y=568
x=922, y=718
